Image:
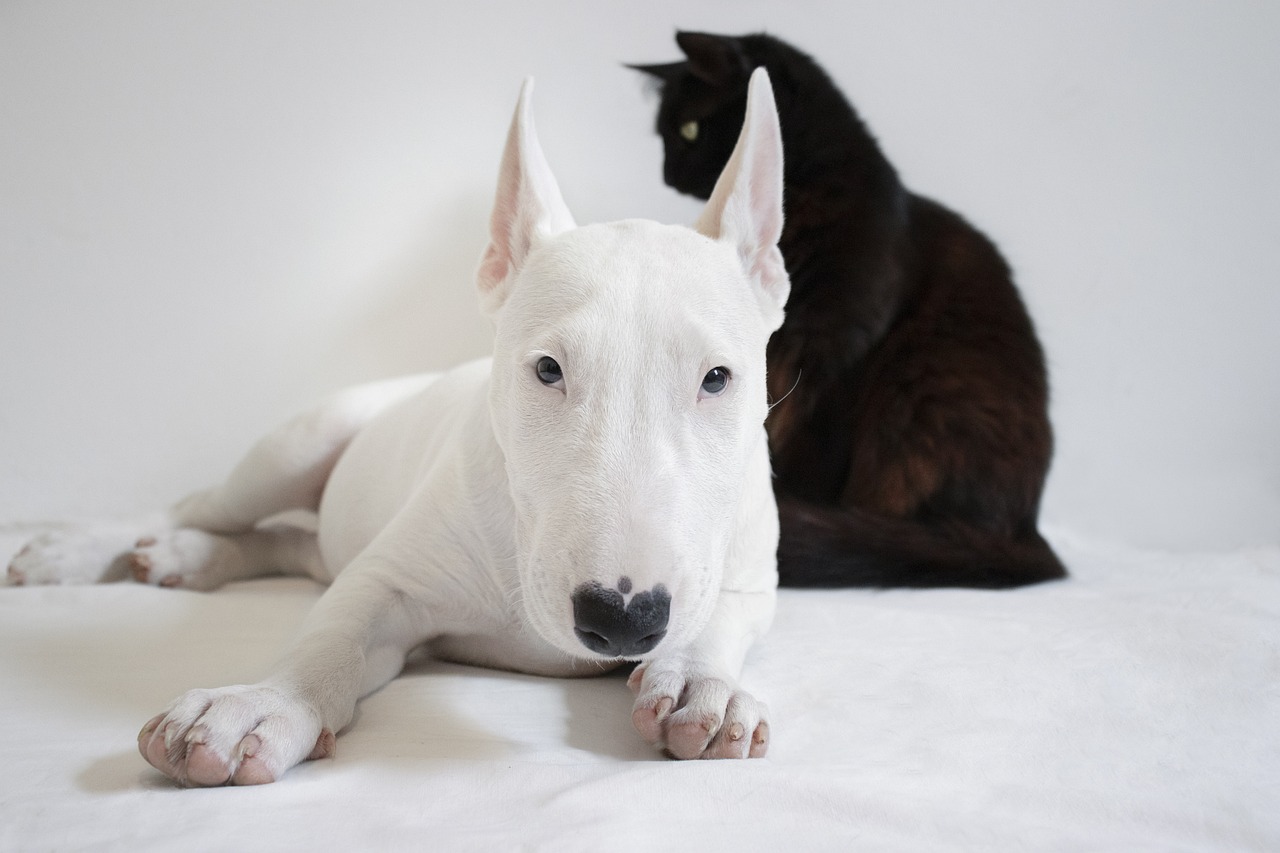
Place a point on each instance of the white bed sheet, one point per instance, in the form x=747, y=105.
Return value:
x=1135, y=706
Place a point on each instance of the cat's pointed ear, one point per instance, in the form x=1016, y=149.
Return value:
x=745, y=208
x=664, y=73
x=716, y=60
x=526, y=208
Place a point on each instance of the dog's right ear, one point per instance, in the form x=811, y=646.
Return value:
x=527, y=207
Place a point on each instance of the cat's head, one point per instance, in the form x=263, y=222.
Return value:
x=704, y=98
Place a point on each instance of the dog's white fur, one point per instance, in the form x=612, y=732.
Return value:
x=463, y=510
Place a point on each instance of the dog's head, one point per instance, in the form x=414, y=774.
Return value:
x=628, y=391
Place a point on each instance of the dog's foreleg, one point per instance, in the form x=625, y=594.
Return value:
x=353, y=642
x=689, y=702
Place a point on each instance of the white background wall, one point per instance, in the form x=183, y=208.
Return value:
x=213, y=212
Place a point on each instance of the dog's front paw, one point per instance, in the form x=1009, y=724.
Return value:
x=245, y=735
x=697, y=716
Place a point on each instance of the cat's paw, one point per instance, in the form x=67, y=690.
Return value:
x=192, y=559
x=697, y=716
x=243, y=735
x=91, y=554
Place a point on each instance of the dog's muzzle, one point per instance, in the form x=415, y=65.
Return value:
x=609, y=625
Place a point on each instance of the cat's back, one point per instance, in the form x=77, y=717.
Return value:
x=964, y=286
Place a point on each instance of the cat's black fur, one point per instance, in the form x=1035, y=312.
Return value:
x=910, y=435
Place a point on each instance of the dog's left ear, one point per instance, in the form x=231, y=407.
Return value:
x=745, y=208
x=527, y=207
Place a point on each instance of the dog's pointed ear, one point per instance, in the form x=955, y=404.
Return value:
x=526, y=208
x=745, y=208
x=716, y=60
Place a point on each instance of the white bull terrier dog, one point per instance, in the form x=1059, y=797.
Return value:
x=597, y=492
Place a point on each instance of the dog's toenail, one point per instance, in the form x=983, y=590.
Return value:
x=736, y=731
x=249, y=746
x=170, y=581
x=16, y=577
x=663, y=709
x=145, y=542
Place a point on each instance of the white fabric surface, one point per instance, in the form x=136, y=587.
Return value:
x=1135, y=706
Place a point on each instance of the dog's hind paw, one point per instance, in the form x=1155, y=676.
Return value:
x=692, y=716
x=245, y=735
x=72, y=556
x=192, y=559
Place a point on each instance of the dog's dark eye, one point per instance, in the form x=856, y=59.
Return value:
x=549, y=372
x=714, y=383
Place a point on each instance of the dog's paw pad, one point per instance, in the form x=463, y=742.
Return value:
x=760, y=740
x=205, y=766
x=253, y=771
x=691, y=716
x=690, y=737
x=233, y=736
x=649, y=720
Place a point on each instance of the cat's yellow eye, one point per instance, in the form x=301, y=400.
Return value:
x=689, y=130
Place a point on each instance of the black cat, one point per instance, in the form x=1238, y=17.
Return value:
x=910, y=434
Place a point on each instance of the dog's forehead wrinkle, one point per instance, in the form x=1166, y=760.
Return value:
x=639, y=259
x=681, y=293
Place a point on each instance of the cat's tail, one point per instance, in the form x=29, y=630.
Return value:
x=826, y=546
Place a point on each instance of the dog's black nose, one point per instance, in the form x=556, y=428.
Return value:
x=609, y=625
